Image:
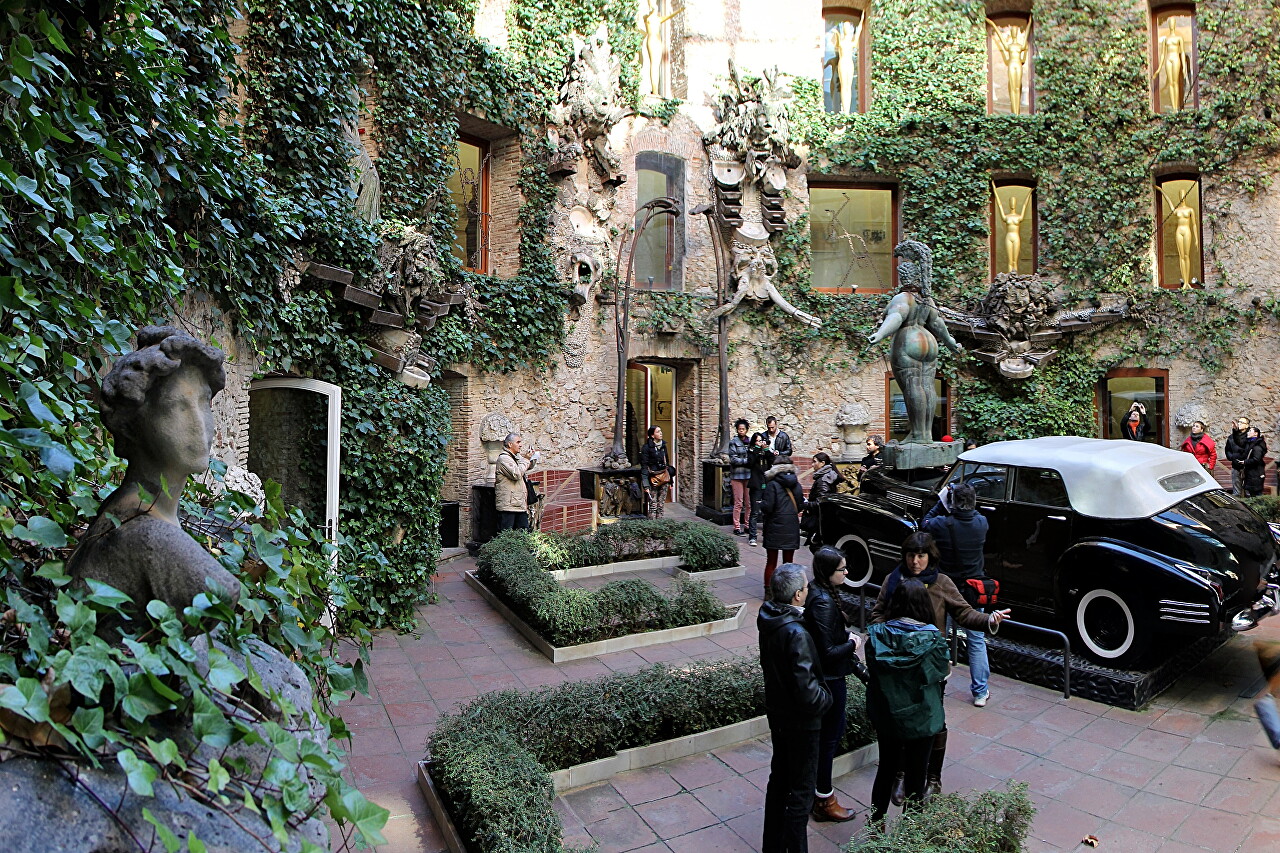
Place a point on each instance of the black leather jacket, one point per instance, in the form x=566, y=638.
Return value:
x=825, y=623
x=795, y=696
x=653, y=458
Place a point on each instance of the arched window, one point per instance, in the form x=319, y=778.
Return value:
x=660, y=250
x=1013, y=227
x=1173, y=58
x=1179, y=255
x=1010, y=64
x=844, y=60
x=852, y=231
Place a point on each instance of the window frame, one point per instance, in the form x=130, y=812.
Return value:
x=1019, y=472
x=1102, y=400
x=864, y=44
x=887, y=432
x=486, y=212
x=1160, y=226
x=895, y=205
x=661, y=162
x=1029, y=82
x=1158, y=10
x=1034, y=205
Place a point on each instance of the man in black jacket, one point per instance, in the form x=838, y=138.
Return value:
x=795, y=698
x=779, y=441
x=961, y=536
x=1235, y=451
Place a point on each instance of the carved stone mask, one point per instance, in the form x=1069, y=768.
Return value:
x=754, y=268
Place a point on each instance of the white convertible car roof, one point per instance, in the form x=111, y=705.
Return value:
x=1106, y=478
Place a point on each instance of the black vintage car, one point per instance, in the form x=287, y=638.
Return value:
x=1115, y=541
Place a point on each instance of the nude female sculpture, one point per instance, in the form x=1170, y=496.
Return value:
x=156, y=404
x=1187, y=235
x=916, y=327
x=1012, y=44
x=1012, y=220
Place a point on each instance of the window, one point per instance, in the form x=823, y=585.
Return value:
x=1040, y=486
x=896, y=410
x=469, y=190
x=988, y=481
x=1013, y=227
x=1010, y=71
x=660, y=250
x=1123, y=387
x=1178, y=246
x=1173, y=58
x=844, y=65
x=852, y=231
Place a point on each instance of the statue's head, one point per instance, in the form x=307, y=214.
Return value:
x=155, y=401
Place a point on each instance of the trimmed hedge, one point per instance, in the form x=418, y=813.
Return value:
x=491, y=760
x=514, y=566
x=1267, y=506
x=702, y=546
x=991, y=822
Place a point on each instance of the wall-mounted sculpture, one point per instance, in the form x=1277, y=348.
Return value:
x=494, y=429
x=844, y=43
x=852, y=419
x=1011, y=42
x=653, y=46
x=1186, y=236
x=750, y=152
x=584, y=272
x=589, y=106
x=913, y=320
x=1017, y=320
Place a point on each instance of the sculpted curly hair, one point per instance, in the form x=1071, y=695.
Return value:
x=161, y=351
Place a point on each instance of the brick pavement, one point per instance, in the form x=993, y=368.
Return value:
x=1192, y=772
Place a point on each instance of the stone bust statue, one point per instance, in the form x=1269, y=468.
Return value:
x=156, y=404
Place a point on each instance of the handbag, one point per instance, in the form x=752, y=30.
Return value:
x=982, y=592
x=660, y=479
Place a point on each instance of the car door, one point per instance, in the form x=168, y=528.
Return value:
x=1037, y=529
x=990, y=483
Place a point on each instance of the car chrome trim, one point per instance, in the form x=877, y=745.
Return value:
x=1169, y=618
x=1184, y=603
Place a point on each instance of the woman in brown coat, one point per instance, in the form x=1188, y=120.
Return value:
x=921, y=560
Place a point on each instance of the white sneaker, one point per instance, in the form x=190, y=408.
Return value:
x=981, y=701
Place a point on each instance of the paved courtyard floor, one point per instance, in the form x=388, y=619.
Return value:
x=1191, y=772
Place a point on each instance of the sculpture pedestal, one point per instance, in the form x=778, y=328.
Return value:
x=484, y=516
x=604, y=485
x=935, y=454
x=716, y=505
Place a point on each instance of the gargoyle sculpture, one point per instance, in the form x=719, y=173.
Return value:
x=754, y=266
x=1016, y=321
x=589, y=106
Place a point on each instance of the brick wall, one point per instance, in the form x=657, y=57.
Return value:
x=505, y=200
x=564, y=511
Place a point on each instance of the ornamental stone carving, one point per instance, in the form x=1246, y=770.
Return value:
x=494, y=428
x=589, y=107
x=852, y=419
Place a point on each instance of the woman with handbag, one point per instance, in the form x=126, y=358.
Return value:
x=825, y=479
x=656, y=472
x=780, y=512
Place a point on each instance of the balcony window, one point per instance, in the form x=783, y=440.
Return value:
x=660, y=250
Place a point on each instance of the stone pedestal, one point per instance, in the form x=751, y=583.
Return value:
x=484, y=515
x=602, y=484
x=935, y=454
x=716, y=505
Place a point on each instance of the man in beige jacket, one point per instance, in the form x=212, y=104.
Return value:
x=511, y=494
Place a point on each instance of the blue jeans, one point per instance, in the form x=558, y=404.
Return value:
x=979, y=667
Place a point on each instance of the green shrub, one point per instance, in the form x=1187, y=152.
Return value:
x=702, y=546
x=1267, y=506
x=991, y=822
x=491, y=759
x=514, y=565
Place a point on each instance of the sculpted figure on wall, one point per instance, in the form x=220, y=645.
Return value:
x=916, y=326
x=653, y=46
x=589, y=105
x=1011, y=42
x=494, y=428
x=753, y=269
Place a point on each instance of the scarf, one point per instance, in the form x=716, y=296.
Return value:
x=928, y=577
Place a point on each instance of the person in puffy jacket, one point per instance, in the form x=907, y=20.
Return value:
x=907, y=657
x=1253, y=460
x=780, y=514
x=825, y=478
x=795, y=700
x=740, y=475
x=1200, y=445
x=838, y=653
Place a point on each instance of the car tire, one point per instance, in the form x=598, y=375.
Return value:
x=857, y=558
x=1110, y=630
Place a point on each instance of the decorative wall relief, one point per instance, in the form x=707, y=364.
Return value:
x=584, y=271
x=589, y=107
x=1017, y=320
x=494, y=429
x=751, y=152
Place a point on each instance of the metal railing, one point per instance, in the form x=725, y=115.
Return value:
x=954, y=639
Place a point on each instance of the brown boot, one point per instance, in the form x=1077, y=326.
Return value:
x=932, y=788
x=828, y=808
x=899, y=790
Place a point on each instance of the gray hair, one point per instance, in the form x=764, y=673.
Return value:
x=786, y=582
x=511, y=436
x=964, y=497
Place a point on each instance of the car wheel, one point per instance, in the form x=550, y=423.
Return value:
x=857, y=558
x=1109, y=629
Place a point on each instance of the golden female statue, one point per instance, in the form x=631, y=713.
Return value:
x=1011, y=41
x=1012, y=226
x=1187, y=235
x=653, y=47
x=844, y=41
x=1173, y=62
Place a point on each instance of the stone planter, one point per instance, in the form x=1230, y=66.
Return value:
x=672, y=565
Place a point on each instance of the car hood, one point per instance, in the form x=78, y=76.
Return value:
x=1222, y=535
